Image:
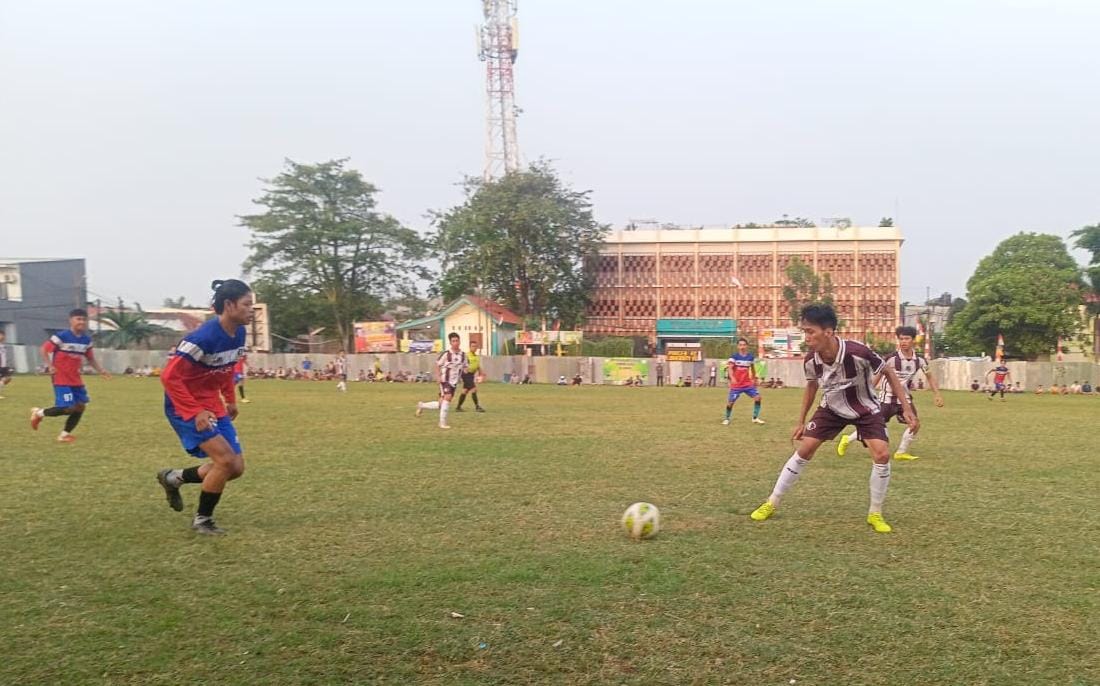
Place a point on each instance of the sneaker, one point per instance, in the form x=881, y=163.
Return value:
x=245, y=401
x=66, y=438
x=878, y=523
x=842, y=446
x=905, y=456
x=459, y=409
x=206, y=526
x=444, y=426
x=758, y=420
x=479, y=409
x=35, y=419
x=725, y=422
x=419, y=409
x=175, y=501
x=763, y=512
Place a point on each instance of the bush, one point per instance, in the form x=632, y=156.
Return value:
x=608, y=347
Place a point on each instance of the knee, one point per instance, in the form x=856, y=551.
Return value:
x=235, y=467
x=79, y=407
x=881, y=456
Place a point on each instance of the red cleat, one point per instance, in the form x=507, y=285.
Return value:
x=66, y=439
x=35, y=419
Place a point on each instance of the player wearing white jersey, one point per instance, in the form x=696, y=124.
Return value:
x=451, y=365
x=342, y=372
x=906, y=363
x=843, y=369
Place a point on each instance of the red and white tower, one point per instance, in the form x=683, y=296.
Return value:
x=498, y=45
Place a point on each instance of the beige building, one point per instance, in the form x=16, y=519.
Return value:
x=695, y=278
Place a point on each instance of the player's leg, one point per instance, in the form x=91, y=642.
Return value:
x=730, y=400
x=756, y=400
x=226, y=464
x=788, y=476
x=879, y=482
x=477, y=403
x=430, y=405
x=444, y=405
x=907, y=438
x=71, y=420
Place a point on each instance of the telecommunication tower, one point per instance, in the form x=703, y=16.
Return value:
x=497, y=47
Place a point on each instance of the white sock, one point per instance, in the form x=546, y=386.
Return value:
x=854, y=435
x=433, y=405
x=64, y=434
x=906, y=438
x=788, y=476
x=443, y=407
x=40, y=413
x=880, y=480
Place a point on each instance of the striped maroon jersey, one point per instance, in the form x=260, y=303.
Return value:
x=906, y=368
x=846, y=384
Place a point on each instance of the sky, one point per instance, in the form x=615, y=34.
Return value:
x=134, y=133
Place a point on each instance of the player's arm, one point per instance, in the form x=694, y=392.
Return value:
x=187, y=407
x=903, y=398
x=49, y=348
x=808, y=397
x=95, y=364
x=229, y=394
x=937, y=398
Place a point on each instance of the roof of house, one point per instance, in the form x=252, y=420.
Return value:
x=500, y=314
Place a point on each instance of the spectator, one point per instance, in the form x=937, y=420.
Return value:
x=577, y=380
x=561, y=380
x=975, y=386
x=713, y=375
x=1086, y=388
x=660, y=373
x=307, y=365
x=1039, y=389
x=362, y=375
x=1075, y=388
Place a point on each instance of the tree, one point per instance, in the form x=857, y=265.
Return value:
x=176, y=303
x=322, y=237
x=525, y=240
x=130, y=329
x=805, y=287
x=886, y=221
x=1029, y=289
x=1088, y=238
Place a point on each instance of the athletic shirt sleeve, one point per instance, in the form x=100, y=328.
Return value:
x=810, y=368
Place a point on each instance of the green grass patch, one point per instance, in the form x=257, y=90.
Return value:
x=358, y=529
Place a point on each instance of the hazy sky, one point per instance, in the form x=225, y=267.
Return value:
x=133, y=132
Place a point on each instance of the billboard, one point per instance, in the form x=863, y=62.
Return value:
x=782, y=342
x=432, y=346
x=375, y=337
x=619, y=369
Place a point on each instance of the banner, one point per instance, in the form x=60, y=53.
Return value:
x=619, y=369
x=433, y=346
x=548, y=337
x=780, y=343
x=375, y=337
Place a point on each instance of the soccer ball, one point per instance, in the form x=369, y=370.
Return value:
x=642, y=520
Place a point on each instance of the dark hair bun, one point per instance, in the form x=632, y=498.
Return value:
x=216, y=284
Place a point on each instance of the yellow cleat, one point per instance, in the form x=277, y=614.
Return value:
x=878, y=523
x=905, y=456
x=842, y=447
x=763, y=512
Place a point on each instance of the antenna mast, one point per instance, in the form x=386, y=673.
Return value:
x=498, y=45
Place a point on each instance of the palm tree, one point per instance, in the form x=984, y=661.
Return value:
x=130, y=329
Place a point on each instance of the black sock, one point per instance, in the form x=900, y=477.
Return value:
x=73, y=420
x=54, y=411
x=207, y=503
x=240, y=389
x=461, y=399
x=476, y=403
x=191, y=476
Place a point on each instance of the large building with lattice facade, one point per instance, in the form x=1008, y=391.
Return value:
x=738, y=274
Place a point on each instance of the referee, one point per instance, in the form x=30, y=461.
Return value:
x=469, y=380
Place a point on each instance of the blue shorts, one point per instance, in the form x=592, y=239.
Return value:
x=238, y=378
x=192, y=438
x=67, y=396
x=736, y=393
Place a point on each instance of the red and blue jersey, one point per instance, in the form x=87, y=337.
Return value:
x=999, y=374
x=741, y=376
x=200, y=373
x=66, y=352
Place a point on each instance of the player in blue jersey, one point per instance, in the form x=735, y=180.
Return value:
x=65, y=353
x=200, y=403
x=741, y=370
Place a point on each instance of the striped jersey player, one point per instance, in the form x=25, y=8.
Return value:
x=451, y=364
x=907, y=363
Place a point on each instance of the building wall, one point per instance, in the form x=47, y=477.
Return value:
x=467, y=319
x=47, y=291
x=642, y=276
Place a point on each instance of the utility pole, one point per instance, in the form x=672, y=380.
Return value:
x=498, y=46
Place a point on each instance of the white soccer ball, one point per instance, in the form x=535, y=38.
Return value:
x=642, y=520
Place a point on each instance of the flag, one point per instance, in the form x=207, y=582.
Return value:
x=1000, y=348
x=927, y=344
x=1059, y=348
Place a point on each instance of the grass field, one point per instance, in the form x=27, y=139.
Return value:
x=358, y=530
